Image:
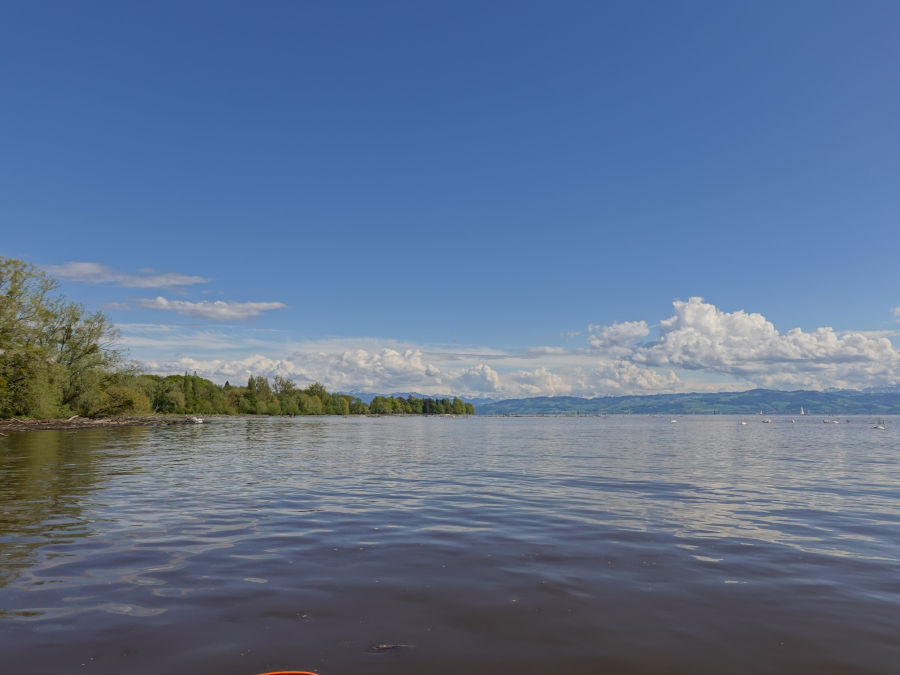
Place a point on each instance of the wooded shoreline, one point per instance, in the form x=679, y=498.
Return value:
x=60, y=368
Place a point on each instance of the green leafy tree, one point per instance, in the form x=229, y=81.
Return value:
x=381, y=406
x=340, y=404
x=309, y=405
x=53, y=354
x=282, y=385
x=357, y=407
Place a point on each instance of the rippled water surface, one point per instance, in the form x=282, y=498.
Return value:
x=447, y=545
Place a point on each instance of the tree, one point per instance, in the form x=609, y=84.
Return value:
x=309, y=405
x=340, y=404
x=53, y=355
x=282, y=385
x=381, y=406
x=123, y=393
x=358, y=407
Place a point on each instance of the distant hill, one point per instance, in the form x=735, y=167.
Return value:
x=769, y=401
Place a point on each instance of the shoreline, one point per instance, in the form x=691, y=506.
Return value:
x=18, y=424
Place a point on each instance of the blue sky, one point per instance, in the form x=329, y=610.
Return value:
x=485, y=198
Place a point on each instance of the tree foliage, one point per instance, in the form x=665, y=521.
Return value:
x=193, y=395
x=56, y=359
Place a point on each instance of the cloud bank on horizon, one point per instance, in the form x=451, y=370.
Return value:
x=699, y=348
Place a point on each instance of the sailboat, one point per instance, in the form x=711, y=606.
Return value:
x=802, y=411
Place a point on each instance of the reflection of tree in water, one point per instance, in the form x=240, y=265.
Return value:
x=44, y=478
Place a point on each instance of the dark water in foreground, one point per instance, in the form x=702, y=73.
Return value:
x=485, y=545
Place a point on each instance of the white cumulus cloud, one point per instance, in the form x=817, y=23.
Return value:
x=620, y=377
x=616, y=340
x=382, y=371
x=700, y=336
x=481, y=379
x=536, y=382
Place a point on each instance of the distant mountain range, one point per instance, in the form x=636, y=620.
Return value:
x=769, y=401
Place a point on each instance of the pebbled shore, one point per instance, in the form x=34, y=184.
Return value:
x=76, y=422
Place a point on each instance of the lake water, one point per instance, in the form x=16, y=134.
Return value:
x=448, y=545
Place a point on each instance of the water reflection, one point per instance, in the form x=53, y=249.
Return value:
x=576, y=545
x=44, y=476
